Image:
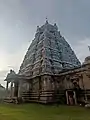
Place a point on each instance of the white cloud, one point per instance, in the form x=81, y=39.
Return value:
x=11, y=61
x=81, y=49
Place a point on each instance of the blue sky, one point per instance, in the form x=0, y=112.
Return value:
x=19, y=19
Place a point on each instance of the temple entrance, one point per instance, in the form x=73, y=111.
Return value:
x=71, y=97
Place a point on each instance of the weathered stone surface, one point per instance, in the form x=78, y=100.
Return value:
x=49, y=52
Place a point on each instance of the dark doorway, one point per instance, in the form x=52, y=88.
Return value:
x=71, y=97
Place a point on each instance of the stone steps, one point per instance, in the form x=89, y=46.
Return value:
x=11, y=100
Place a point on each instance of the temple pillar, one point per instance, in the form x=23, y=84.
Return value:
x=40, y=87
x=46, y=95
x=7, y=88
x=75, y=99
x=67, y=97
x=7, y=85
x=19, y=89
x=11, y=89
x=16, y=89
x=47, y=83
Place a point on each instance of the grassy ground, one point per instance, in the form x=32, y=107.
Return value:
x=42, y=112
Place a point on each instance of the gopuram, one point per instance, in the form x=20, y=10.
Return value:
x=50, y=71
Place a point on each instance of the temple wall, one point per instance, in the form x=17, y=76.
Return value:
x=45, y=87
x=67, y=84
x=23, y=87
x=86, y=81
x=35, y=84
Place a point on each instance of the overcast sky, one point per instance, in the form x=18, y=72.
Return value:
x=19, y=19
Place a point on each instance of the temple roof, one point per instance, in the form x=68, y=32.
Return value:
x=87, y=60
x=49, y=52
x=11, y=76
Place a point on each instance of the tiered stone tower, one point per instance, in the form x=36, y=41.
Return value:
x=49, y=53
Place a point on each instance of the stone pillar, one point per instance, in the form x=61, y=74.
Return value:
x=82, y=82
x=47, y=83
x=29, y=87
x=67, y=97
x=19, y=89
x=12, y=89
x=7, y=85
x=85, y=97
x=75, y=97
x=7, y=89
x=39, y=88
x=16, y=89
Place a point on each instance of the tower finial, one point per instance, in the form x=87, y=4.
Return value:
x=89, y=48
x=37, y=28
x=46, y=20
x=55, y=26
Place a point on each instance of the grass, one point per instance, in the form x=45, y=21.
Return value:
x=42, y=112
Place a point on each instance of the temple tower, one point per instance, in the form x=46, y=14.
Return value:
x=49, y=53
